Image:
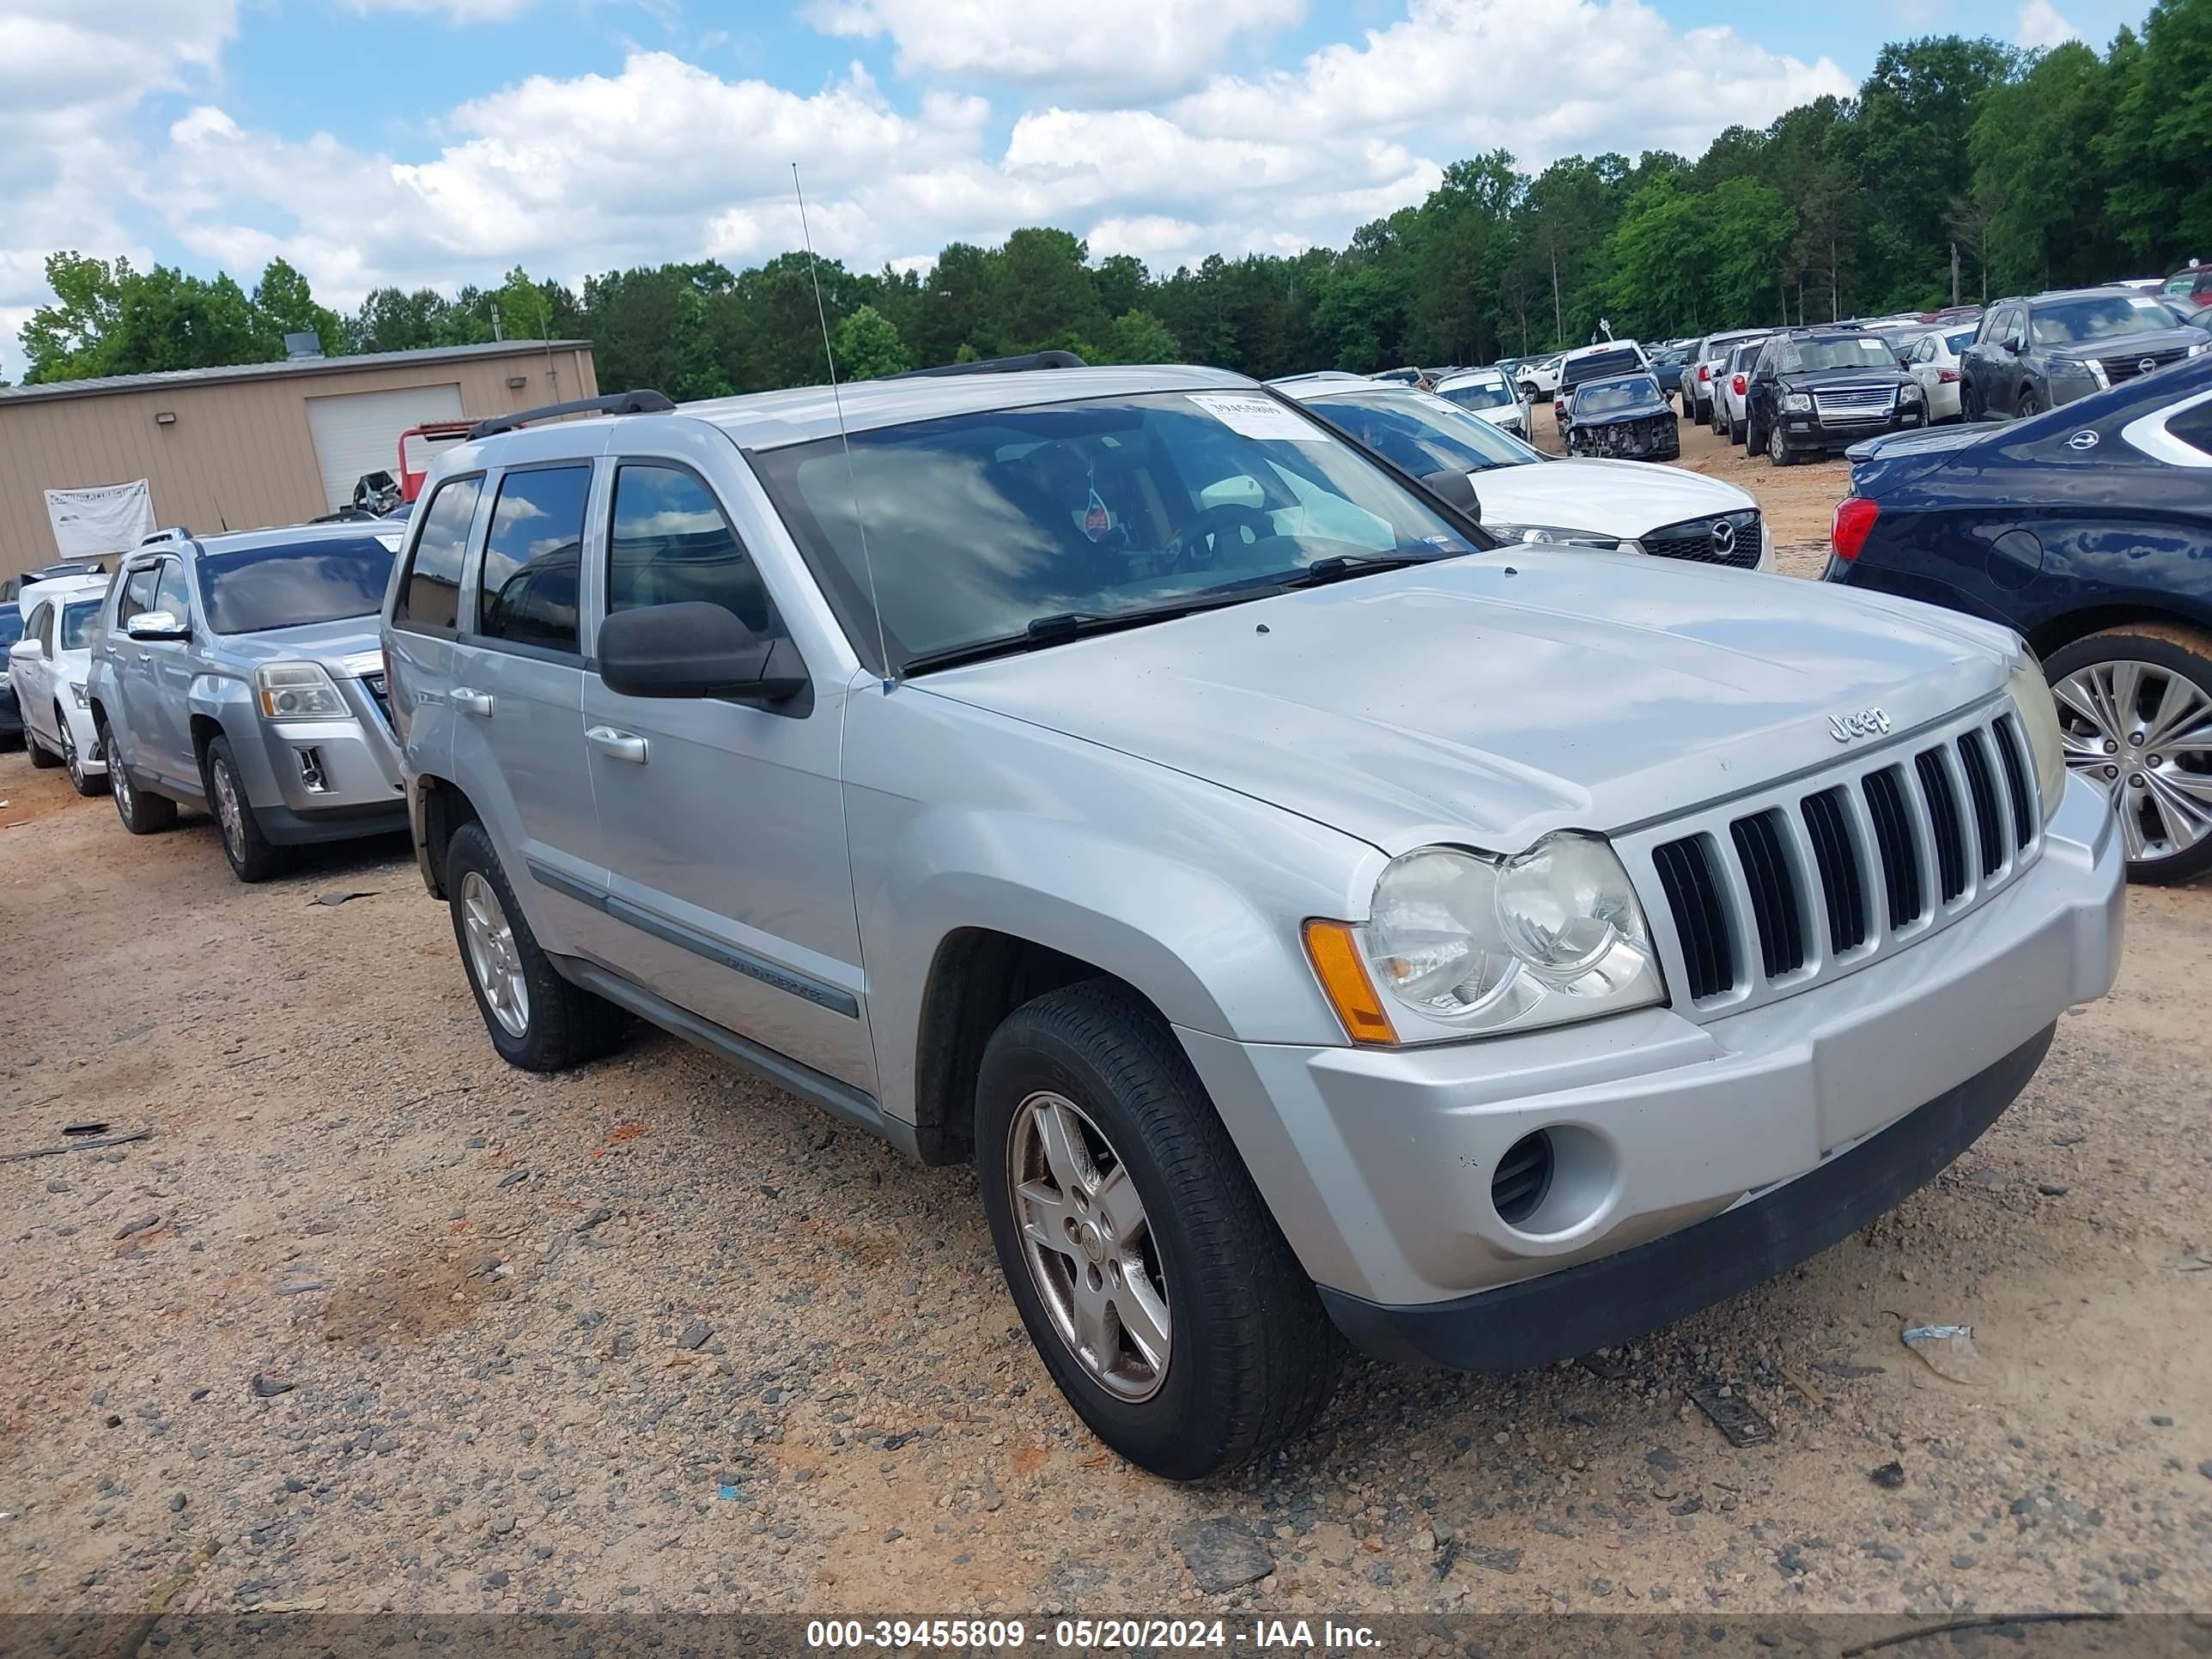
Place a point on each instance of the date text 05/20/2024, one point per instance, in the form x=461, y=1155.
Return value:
x=1080, y=1635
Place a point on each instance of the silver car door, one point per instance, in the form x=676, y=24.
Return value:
x=722, y=823
x=168, y=665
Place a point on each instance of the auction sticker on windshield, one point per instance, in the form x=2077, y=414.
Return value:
x=1250, y=415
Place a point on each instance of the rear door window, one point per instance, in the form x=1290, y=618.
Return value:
x=430, y=593
x=534, y=556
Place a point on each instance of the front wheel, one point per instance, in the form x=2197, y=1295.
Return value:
x=1159, y=1292
x=82, y=782
x=41, y=757
x=142, y=812
x=2029, y=404
x=2135, y=706
x=253, y=857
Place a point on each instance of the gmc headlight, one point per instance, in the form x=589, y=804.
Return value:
x=1798, y=402
x=1466, y=944
x=1547, y=534
x=2038, y=722
x=298, y=691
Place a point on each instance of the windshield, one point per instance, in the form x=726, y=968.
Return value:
x=1602, y=366
x=11, y=626
x=1476, y=394
x=258, y=588
x=980, y=525
x=1844, y=351
x=1617, y=397
x=2072, y=322
x=1421, y=433
x=77, y=623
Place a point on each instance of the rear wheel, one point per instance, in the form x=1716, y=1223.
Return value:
x=252, y=855
x=1736, y=431
x=2136, y=704
x=537, y=1019
x=142, y=812
x=41, y=757
x=1159, y=1292
x=1777, y=448
x=84, y=783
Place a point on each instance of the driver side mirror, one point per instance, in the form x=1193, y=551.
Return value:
x=695, y=649
x=26, y=651
x=1457, y=487
x=156, y=625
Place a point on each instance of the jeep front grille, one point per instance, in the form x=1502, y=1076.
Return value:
x=1765, y=896
x=1843, y=404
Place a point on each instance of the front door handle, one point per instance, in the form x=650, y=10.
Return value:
x=617, y=745
x=471, y=702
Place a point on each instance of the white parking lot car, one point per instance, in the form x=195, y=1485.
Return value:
x=1486, y=394
x=1627, y=507
x=1933, y=362
x=47, y=668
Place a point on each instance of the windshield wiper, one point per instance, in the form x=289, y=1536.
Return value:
x=1338, y=566
x=1064, y=625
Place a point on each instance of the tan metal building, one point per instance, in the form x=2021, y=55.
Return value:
x=258, y=443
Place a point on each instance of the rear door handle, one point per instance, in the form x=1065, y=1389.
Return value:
x=617, y=745
x=472, y=703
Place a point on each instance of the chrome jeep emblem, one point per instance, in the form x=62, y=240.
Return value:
x=1850, y=728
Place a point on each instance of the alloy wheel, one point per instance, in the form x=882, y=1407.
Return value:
x=494, y=958
x=1089, y=1246
x=2143, y=733
x=118, y=782
x=70, y=755
x=229, y=811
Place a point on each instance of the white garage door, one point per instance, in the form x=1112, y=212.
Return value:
x=359, y=432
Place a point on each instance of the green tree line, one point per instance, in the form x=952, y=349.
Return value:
x=1959, y=163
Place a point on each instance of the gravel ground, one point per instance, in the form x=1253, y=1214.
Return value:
x=370, y=1320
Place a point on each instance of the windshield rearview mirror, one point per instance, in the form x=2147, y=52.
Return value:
x=1240, y=490
x=156, y=625
x=694, y=649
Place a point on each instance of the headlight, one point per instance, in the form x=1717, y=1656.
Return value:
x=2095, y=371
x=2038, y=722
x=298, y=691
x=1798, y=402
x=1546, y=534
x=1909, y=395
x=1464, y=943
x=2200, y=348
x=77, y=691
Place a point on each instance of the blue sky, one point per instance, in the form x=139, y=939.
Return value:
x=443, y=141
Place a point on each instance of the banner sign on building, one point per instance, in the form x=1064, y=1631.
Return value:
x=104, y=519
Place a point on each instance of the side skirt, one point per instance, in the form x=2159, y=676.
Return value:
x=841, y=1100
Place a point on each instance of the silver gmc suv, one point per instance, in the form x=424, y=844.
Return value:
x=240, y=672
x=1308, y=918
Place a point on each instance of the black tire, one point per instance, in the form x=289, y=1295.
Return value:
x=42, y=758
x=2175, y=650
x=142, y=812
x=1777, y=448
x=1252, y=1357
x=2028, y=404
x=1737, y=429
x=79, y=780
x=252, y=855
x=562, y=1026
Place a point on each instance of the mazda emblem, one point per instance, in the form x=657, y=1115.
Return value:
x=1723, y=537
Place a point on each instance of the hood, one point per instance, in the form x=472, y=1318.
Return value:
x=330, y=643
x=1814, y=379
x=1489, y=700
x=1615, y=498
x=2126, y=348
x=1501, y=414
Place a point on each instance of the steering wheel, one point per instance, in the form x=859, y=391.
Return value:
x=1211, y=526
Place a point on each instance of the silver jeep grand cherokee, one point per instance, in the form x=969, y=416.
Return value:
x=1308, y=918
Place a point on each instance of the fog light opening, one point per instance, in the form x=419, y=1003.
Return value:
x=1523, y=1178
x=311, y=771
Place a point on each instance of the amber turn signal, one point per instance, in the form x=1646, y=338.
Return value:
x=1336, y=964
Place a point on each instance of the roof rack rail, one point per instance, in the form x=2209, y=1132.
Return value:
x=1027, y=360
x=643, y=402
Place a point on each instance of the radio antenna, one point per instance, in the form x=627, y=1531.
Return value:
x=837, y=403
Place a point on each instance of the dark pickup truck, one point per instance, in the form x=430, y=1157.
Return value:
x=1824, y=389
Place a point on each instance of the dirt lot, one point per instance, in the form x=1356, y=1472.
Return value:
x=370, y=1320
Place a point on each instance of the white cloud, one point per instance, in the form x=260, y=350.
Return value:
x=1103, y=49
x=458, y=11
x=2042, y=26
x=659, y=158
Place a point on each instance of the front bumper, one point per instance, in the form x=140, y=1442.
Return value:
x=1377, y=1163
x=1811, y=432
x=324, y=780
